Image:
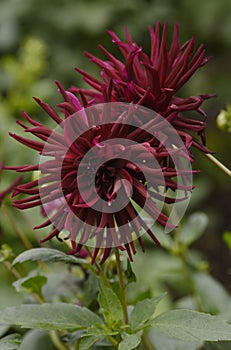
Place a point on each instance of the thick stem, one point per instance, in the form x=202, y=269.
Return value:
x=122, y=286
x=218, y=164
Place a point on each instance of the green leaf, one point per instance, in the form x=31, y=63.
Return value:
x=57, y=316
x=100, y=329
x=143, y=312
x=32, y=284
x=61, y=285
x=129, y=342
x=110, y=306
x=90, y=290
x=189, y=325
x=48, y=255
x=214, y=298
x=10, y=342
x=3, y=329
x=73, y=337
x=94, y=334
x=87, y=342
x=40, y=340
x=194, y=228
x=129, y=273
x=163, y=342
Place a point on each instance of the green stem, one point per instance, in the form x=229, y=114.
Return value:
x=122, y=286
x=146, y=342
x=21, y=235
x=18, y=231
x=189, y=281
x=57, y=342
x=100, y=271
x=221, y=166
x=113, y=341
x=12, y=270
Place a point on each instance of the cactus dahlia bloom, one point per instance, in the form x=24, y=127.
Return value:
x=75, y=192
x=152, y=80
x=72, y=203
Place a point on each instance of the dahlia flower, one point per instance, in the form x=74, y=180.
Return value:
x=152, y=80
x=121, y=150
x=99, y=198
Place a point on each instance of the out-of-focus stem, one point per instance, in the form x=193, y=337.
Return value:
x=218, y=164
x=100, y=271
x=18, y=231
x=12, y=270
x=189, y=281
x=57, y=342
x=146, y=342
x=122, y=286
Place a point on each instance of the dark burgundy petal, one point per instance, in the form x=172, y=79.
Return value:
x=139, y=79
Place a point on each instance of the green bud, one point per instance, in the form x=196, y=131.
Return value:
x=224, y=119
x=6, y=253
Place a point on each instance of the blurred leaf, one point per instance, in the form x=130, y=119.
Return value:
x=143, y=312
x=32, y=284
x=162, y=342
x=90, y=290
x=62, y=285
x=94, y=334
x=73, y=337
x=129, y=273
x=110, y=306
x=203, y=188
x=214, y=297
x=167, y=267
x=8, y=295
x=10, y=342
x=57, y=316
x=40, y=339
x=129, y=342
x=194, y=228
x=188, y=325
x=3, y=329
x=88, y=341
x=48, y=255
x=187, y=302
x=227, y=238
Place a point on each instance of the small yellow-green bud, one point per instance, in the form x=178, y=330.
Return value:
x=224, y=119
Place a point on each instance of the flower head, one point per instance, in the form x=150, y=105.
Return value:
x=104, y=167
x=152, y=80
x=117, y=154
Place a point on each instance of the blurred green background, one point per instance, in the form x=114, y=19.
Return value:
x=42, y=41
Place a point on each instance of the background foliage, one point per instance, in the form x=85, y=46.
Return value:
x=42, y=41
